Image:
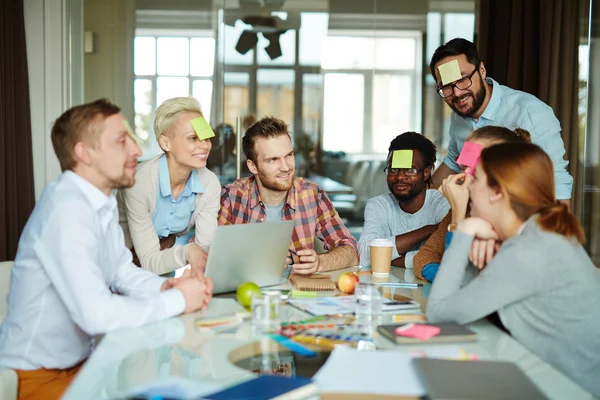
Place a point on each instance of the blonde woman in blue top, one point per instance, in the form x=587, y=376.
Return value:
x=169, y=216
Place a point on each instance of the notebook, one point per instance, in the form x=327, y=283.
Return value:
x=268, y=387
x=312, y=282
x=449, y=332
x=493, y=380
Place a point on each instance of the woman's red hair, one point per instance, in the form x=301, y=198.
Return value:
x=525, y=173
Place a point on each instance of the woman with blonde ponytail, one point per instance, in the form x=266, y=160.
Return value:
x=541, y=282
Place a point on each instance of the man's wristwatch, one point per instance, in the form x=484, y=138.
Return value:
x=451, y=226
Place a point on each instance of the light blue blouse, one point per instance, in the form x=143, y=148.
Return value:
x=515, y=109
x=173, y=215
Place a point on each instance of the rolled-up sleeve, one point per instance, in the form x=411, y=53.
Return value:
x=330, y=227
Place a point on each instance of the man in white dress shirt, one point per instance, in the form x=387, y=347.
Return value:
x=73, y=277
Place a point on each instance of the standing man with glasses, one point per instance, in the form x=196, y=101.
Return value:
x=478, y=100
x=411, y=212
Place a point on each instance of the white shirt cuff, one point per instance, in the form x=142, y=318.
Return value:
x=408, y=259
x=174, y=302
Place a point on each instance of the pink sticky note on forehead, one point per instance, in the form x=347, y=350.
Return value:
x=469, y=156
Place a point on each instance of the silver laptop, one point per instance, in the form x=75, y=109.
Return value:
x=475, y=380
x=248, y=253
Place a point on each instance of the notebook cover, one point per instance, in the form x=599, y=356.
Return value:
x=449, y=332
x=312, y=282
x=474, y=380
x=267, y=387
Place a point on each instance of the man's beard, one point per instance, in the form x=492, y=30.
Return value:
x=478, y=99
x=412, y=193
x=274, y=184
x=122, y=182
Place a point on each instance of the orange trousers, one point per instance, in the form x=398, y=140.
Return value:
x=47, y=384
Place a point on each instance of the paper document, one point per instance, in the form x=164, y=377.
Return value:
x=345, y=305
x=380, y=372
x=175, y=388
x=219, y=307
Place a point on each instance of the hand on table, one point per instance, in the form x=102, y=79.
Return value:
x=308, y=262
x=197, y=257
x=196, y=289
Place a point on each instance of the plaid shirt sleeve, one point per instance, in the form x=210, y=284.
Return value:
x=330, y=227
x=225, y=215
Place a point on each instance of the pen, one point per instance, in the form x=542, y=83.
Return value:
x=400, y=284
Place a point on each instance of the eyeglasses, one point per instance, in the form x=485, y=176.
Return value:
x=462, y=84
x=406, y=171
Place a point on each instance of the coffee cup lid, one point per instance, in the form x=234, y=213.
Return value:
x=381, y=243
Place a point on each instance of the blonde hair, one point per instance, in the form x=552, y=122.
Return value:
x=166, y=113
x=525, y=173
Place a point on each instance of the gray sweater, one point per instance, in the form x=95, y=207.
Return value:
x=385, y=219
x=545, y=290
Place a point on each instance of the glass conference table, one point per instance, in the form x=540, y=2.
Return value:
x=128, y=358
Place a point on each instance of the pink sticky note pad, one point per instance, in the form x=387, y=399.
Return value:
x=419, y=331
x=469, y=156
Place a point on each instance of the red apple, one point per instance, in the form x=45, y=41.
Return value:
x=347, y=282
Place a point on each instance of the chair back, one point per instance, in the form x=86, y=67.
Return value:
x=5, y=268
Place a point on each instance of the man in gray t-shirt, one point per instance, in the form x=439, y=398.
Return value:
x=410, y=213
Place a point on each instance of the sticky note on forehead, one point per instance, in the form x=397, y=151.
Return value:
x=402, y=159
x=202, y=128
x=469, y=156
x=449, y=72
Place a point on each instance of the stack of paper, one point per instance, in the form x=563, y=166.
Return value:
x=374, y=372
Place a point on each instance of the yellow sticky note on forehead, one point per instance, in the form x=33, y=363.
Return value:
x=202, y=128
x=449, y=72
x=402, y=159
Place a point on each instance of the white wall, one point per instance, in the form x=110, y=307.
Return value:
x=109, y=69
x=53, y=30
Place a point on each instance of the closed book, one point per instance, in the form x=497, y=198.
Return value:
x=267, y=387
x=312, y=282
x=449, y=332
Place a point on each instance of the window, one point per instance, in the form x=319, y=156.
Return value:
x=167, y=66
x=372, y=89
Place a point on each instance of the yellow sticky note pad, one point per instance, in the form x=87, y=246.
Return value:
x=449, y=72
x=402, y=159
x=202, y=128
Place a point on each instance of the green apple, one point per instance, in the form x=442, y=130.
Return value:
x=245, y=292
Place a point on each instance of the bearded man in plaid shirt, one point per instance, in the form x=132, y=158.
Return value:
x=273, y=193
